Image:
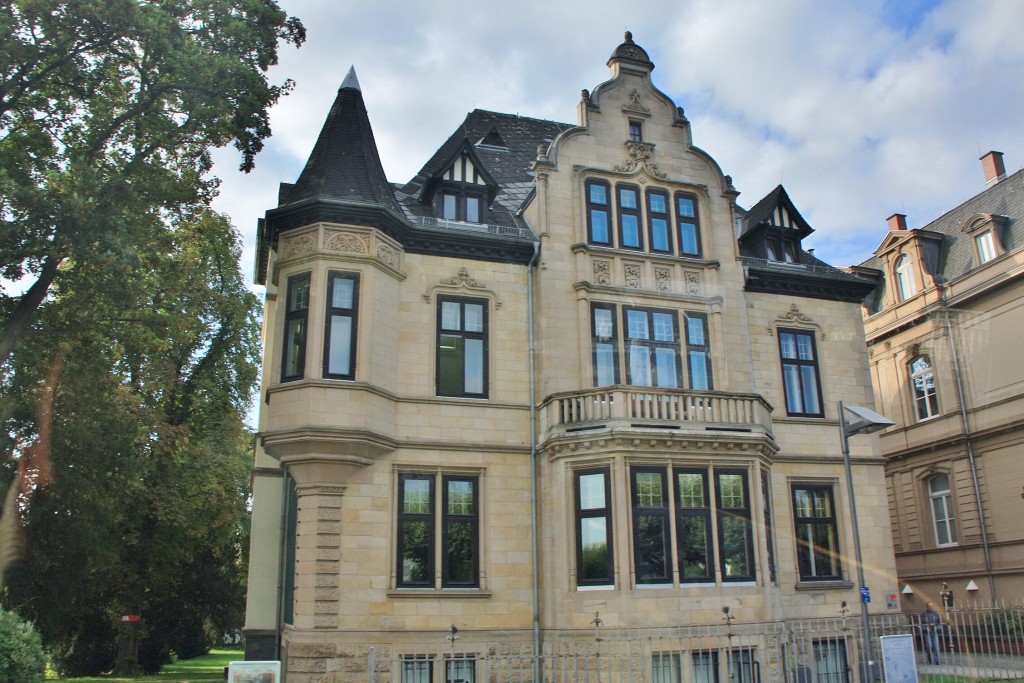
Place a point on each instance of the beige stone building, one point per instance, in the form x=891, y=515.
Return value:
x=941, y=335
x=559, y=385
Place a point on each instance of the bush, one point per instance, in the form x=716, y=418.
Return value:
x=22, y=658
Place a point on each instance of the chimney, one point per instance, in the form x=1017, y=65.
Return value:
x=897, y=221
x=992, y=165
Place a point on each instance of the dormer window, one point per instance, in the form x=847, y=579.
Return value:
x=771, y=250
x=905, y=286
x=636, y=131
x=986, y=245
x=462, y=192
x=986, y=231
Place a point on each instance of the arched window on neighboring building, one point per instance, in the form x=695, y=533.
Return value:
x=922, y=380
x=942, y=510
x=905, y=278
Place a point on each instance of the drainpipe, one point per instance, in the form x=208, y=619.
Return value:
x=535, y=512
x=281, y=563
x=955, y=351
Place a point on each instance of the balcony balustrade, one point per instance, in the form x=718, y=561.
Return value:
x=639, y=407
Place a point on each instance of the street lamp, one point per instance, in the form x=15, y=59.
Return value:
x=864, y=421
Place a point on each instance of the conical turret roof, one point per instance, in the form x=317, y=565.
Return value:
x=344, y=164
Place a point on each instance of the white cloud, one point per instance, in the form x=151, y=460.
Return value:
x=860, y=109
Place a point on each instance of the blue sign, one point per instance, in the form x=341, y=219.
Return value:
x=865, y=594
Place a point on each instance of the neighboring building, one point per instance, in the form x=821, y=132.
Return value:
x=559, y=382
x=942, y=335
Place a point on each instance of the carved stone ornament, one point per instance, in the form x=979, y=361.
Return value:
x=663, y=279
x=632, y=271
x=692, y=279
x=640, y=154
x=347, y=242
x=462, y=279
x=387, y=255
x=794, y=315
x=634, y=104
x=602, y=273
x=300, y=246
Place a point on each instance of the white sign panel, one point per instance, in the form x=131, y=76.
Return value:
x=898, y=659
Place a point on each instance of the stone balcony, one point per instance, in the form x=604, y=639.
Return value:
x=678, y=411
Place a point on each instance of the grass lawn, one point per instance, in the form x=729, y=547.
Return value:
x=206, y=668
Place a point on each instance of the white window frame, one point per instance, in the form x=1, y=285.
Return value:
x=940, y=501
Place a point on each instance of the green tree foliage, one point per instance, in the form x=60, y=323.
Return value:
x=22, y=659
x=145, y=512
x=108, y=111
x=129, y=349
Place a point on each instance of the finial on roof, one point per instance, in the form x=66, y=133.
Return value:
x=351, y=82
x=629, y=51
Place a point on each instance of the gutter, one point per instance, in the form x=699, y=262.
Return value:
x=534, y=510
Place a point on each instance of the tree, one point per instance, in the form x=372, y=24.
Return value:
x=108, y=110
x=146, y=510
x=128, y=348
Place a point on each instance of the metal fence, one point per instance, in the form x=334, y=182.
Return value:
x=974, y=644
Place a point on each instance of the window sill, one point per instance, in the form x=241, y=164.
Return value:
x=823, y=585
x=609, y=587
x=460, y=593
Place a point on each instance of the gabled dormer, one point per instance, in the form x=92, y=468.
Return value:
x=461, y=189
x=909, y=259
x=771, y=237
x=773, y=229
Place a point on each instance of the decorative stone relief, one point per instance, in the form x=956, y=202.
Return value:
x=692, y=279
x=348, y=242
x=640, y=154
x=632, y=272
x=299, y=246
x=602, y=273
x=663, y=279
x=794, y=315
x=462, y=279
x=387, y=255
x=634, y=105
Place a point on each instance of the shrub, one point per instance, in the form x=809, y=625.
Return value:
x=22, y=658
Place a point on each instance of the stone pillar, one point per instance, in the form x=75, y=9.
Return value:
x=318, y=556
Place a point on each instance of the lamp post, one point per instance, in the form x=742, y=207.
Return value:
x=864, y=421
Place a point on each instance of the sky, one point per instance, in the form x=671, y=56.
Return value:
x=861, y=109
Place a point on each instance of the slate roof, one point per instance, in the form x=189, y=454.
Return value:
x=809, y=276
x=956, y=254
x=344, y=163
x=508, y=165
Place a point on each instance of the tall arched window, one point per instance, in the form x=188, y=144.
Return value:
x=922, y=380
x=905, y=278
x=942, y=510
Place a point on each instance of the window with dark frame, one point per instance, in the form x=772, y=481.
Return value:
x=705, y=666
x=417, y=669
x=830, y=664
x=340, y=325
x=462, y=347
x=636, y=131
x=461, y=669
x=652, y=549
x=800, y=374
x=658, y=222
x=463, y=204
x=416, y=531
x=665, y=667
x=296, y=322
x=688, y=224
x=652, y=347
x=598, y=212
x=458, y=545
x=766, y=490
x=605, y=344
x=693, y=526
x=594, y=561
x=735, y=528
x=817, y=535
x=698, y=351
x=628, y=204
